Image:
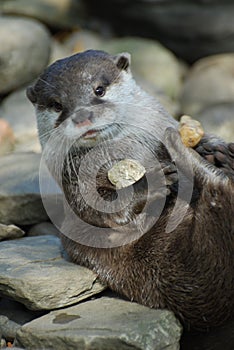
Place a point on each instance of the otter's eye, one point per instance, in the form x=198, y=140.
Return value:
x=56, y=106
x=100, y=91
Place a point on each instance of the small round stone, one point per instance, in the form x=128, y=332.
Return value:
x=125, y=173
x=190, y=130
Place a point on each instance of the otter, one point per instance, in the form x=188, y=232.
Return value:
x=145, y=246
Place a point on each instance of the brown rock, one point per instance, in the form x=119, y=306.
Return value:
x=7, y=139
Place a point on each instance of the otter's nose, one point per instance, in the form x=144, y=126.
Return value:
x=81, y=116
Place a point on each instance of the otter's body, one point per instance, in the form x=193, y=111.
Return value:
x=183, y=261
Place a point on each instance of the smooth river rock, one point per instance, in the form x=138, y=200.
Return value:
x=210, y=82
x=150, y=61
x=20, y=198
x=10, y=232
x=218, y=119
x=43, y=229
x=18, y=111
x=25, y=51
x=7, y=138
x=33, y=272
x=103, y=324
x=54, y=13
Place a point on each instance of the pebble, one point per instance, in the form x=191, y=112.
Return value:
x=25, y=50
x=125, y=173
x=190, y=130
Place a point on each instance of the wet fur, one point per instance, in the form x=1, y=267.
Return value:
x=189, y=270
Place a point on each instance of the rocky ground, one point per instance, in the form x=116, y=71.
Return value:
x=40, y=291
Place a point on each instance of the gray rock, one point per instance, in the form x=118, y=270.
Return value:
x=151, y=62
x=17, y=312
x=82, y=40
x=210, y=81
x=10, y=232
x=218, y=119
x=20, y=199
x=8, y=328
x=103, y=324
x=42, y=229
x=18, y=111
x=7, y=138
x=59, y=14
x=13, y=348
x=25, y=50
x=192, y=29
x=58, y=51
x=3, y=343
x=33, y=272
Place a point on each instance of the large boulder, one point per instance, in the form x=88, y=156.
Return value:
x=192, y=29
x=210, y=81
x=25, y=51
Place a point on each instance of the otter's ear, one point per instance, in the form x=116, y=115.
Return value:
x=123, y=60
x=31, y=94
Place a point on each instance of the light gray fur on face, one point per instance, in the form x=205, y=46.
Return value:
x=124, y=103
x=45, y=123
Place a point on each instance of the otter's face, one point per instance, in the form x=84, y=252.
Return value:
x=79, y=95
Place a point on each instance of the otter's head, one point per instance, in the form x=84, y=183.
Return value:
x=80, y=95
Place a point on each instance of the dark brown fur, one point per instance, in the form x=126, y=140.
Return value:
x=190, y=270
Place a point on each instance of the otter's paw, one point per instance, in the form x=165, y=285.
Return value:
x=218, y=153
x=190, y=131
x=180, y=154
x=174, y=143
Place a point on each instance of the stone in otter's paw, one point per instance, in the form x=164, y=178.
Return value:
x=91, y=114
x=190, y=130
x=125, y=173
